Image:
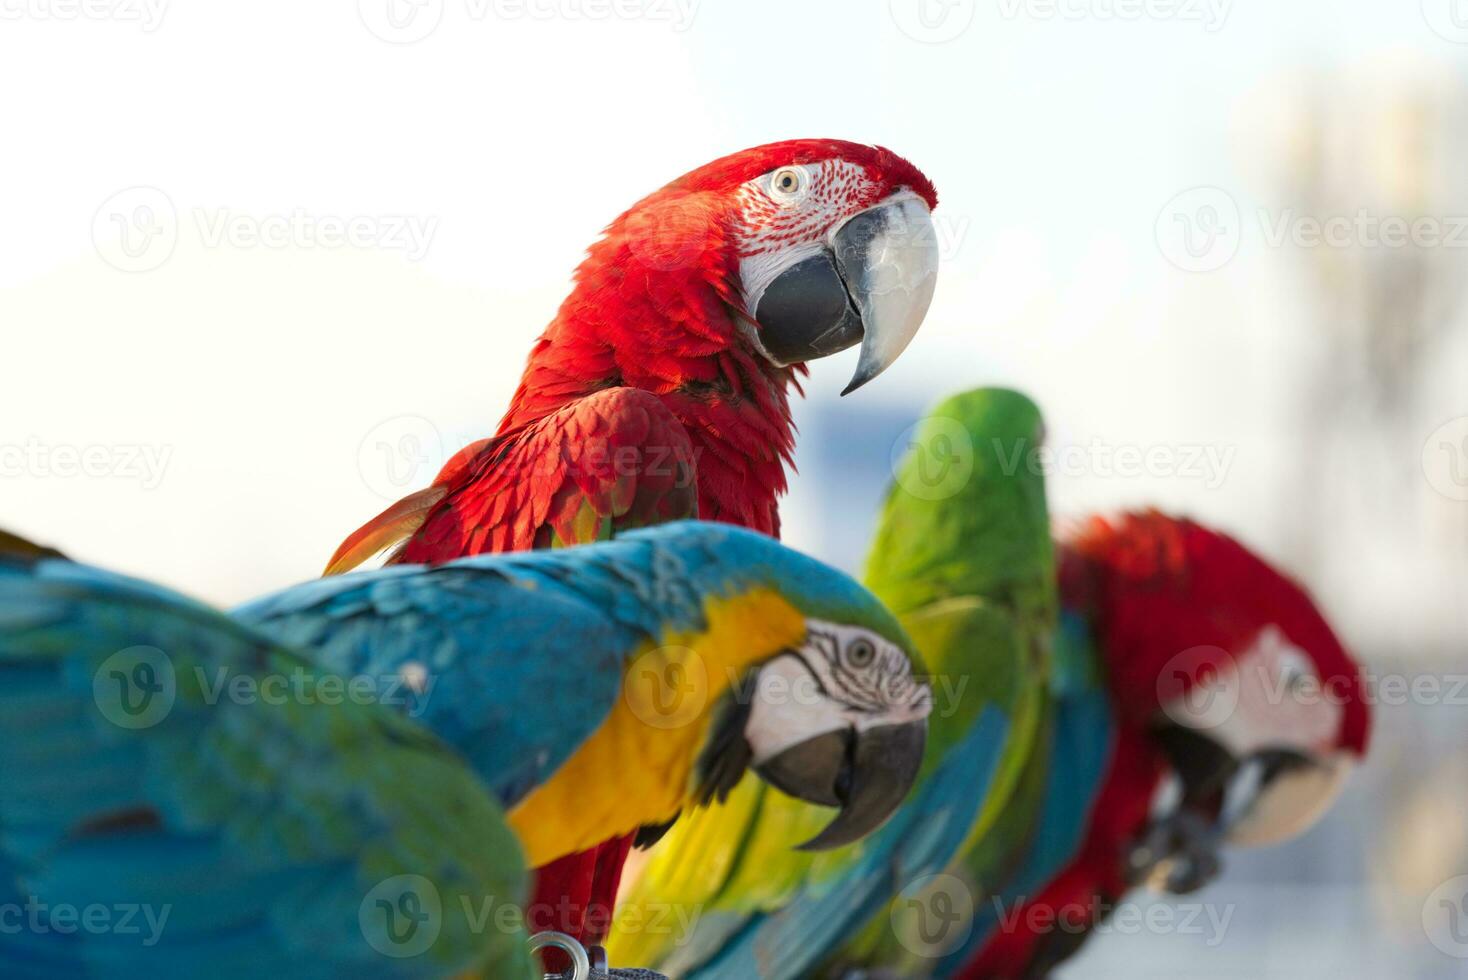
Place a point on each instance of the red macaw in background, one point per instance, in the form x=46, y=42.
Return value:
x=1220, y=671
x=661, y=388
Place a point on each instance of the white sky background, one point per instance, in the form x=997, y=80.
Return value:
x=270, y=375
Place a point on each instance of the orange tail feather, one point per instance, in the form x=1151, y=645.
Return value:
x=393, y=525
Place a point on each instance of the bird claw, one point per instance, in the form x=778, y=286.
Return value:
x=601, y=971
x=1179, y=853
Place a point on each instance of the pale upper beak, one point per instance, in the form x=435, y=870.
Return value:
x=870, y=282
x=1279, y=795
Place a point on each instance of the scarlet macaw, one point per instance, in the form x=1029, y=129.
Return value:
x=1221, y=672
x=162, y=755
x=661, y=388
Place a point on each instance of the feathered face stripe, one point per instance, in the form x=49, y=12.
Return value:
x=863, y=671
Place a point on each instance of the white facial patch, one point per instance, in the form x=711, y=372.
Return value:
x=757, y=271
x=842, y=677
x=777, y=230
x=1267, y=697
x=789, y=708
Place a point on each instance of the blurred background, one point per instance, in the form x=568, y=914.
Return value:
x=262, y=267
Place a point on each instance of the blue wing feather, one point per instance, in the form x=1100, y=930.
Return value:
x=224, y=839
x=1080, y=750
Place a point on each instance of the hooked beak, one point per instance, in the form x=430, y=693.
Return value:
x=871, y=283
x=1267, y=797
x=865, y=773
x=1280, y=794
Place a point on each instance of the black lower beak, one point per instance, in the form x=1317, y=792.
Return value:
x=806, y=313
x=870, y=283
x=867, y=774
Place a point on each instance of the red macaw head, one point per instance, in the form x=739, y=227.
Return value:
x=1228, y=662
x=811, y=246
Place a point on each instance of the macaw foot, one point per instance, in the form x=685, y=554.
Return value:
x=1179, y=853
x=600, y=970
x=587, y=962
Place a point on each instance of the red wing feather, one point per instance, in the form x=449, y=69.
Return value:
x=608, y=462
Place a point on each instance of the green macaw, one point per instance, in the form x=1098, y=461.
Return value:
x=964, y=558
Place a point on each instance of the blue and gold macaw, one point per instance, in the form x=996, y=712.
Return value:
x=963, y=557
x=347, y=766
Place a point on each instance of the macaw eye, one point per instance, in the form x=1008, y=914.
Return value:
x=861, y=653
x=1295, y=672
x=787, y=183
